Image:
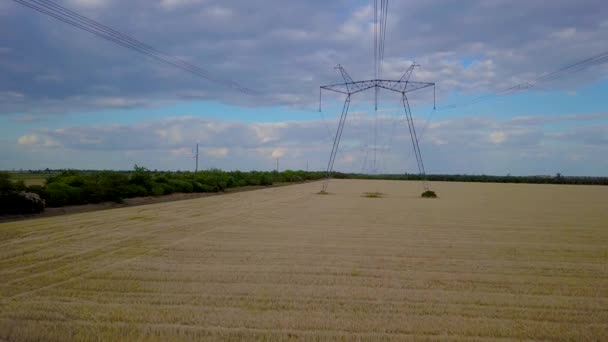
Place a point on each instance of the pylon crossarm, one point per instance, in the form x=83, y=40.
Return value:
x=350, y=88
x=403, y=86
x=392, y=85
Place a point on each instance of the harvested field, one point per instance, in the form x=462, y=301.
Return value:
x=483, y=261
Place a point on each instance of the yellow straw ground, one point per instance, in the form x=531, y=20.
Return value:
x=484, y=261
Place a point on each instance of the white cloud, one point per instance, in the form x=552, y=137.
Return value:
x=89, y=4
x=168, y=143
x=118, y=102
x=37, y=141
x=173, y=4
x=219, y=12
x=498, y=137
x=11, y=95
x=566, y=33
x=288, y=52
x=181, y=152
x=278, y=152
x=217, y=151
x=28, y=140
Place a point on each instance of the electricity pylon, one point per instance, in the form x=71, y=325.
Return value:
x=350, y=87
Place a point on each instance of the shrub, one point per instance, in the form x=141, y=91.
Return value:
x=19, y=186
x=15, y=203
x=133, y=190
x=197, y=187
x=429, y=194
x=157, y=190
x=167, y=189
x=181, y=185
x=161, y=179
x=37, y=189
x=141, y=176
x=6, y=185
x=208, y=188
x=266, y=180
x=60, y=194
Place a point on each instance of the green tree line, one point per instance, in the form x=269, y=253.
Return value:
x=557, y=179
x=73, y=187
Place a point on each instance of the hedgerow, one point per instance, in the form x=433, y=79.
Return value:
x=82, y=187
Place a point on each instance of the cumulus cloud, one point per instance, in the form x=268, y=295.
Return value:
x=173, y=4
x=566, y=33
x=217, y=151
x=287, y=52
x=28, y=140
x=278, y=152
x=498, y=137
x=11, y=95
x=88, y=3
x=469, y=144
x=36, y=140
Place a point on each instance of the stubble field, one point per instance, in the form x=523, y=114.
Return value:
x=484, y=261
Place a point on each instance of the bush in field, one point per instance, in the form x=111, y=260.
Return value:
x=15, y=203
x=20, y=185
x=197, y=187
x=142, y=177
x=6, y=185
x=133, y=190
x=40, y=190
x=112, y=186
x=60, y=194
x=266, y=180
x=14, y=199
x=429, y=194
x=157, y=190
x=181, y=185
x=168, y=189
x=208, y=188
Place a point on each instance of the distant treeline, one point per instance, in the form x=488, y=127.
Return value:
x=73, y=187
x=557, y=179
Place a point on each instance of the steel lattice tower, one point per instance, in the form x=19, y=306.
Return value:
x=401, y=86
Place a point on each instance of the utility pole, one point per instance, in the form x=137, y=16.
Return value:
x=196, y=156
x=277, y=164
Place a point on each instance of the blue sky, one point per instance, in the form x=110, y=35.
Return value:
x=70, y=99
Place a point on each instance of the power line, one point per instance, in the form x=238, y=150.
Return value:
x=79, y=21
x=572, y=68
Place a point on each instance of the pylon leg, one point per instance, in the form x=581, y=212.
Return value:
x=334, y=149
x=414, y=137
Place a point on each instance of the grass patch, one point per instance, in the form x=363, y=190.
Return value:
x=373, y=194
x=322, y=192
